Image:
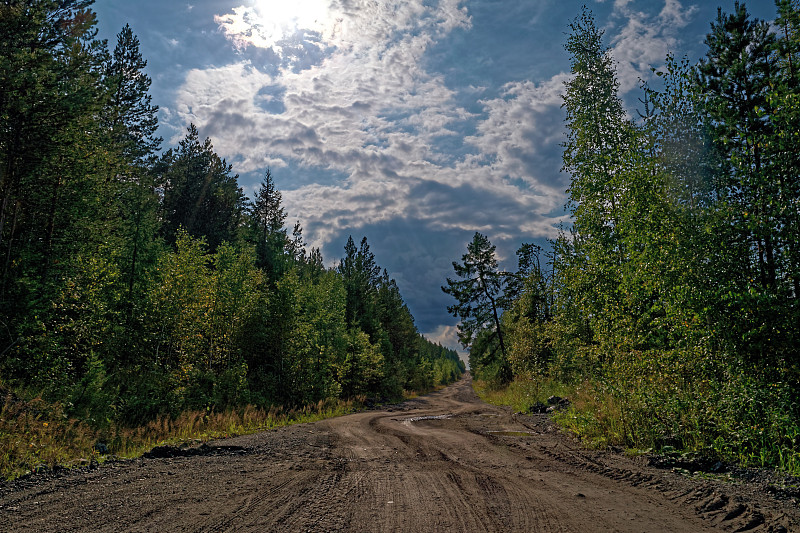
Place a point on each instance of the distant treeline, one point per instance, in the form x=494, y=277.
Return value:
x=138, y=282
x=672, y=301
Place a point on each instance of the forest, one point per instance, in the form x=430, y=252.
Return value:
x=140, y=283
x=668, y=310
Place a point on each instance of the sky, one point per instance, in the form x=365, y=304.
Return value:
x=414, y=123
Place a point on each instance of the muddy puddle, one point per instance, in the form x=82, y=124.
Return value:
x=421, y=418
x=511, y=433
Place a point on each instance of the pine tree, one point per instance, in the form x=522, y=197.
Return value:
x=480, y=299
x=268, y=217
x=784, y=147
x=361, y=276
x=61, y=212
x=736, y=75
x=131, y=121
x=750, y=99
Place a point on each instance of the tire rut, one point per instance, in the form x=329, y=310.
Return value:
x=444, y=462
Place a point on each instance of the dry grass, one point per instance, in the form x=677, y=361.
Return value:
x=34, y=435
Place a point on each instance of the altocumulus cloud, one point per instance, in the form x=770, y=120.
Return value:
x=341, y=95
x=644, y=39
x=369, y=110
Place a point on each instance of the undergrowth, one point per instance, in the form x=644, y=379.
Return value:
x=521, y=394
x=35, y=435
x=736, y=420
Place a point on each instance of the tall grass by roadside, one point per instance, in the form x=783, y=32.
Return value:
x=34, y=435
x=521, y=394
x=735, y=419
x=37, y=435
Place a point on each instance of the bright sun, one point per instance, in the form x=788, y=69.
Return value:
x=299, y=13
x=267, y=22
x=284, y=17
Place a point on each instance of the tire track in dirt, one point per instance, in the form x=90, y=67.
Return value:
x=444, y=462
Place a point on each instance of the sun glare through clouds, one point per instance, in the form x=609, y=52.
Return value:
x=265, y=23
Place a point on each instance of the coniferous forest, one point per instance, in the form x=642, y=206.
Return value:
x=140, y=282
x=669, y=310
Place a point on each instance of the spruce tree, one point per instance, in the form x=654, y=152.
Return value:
x=268, y=217
x=133, y=120
x=200, y=194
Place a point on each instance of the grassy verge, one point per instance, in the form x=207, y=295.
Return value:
x=590, y=416
x=521, y=395
x=728, y=422
x=34, y=435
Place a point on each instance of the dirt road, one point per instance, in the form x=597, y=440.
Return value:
x=444, y=462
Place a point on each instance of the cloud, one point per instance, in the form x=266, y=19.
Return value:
x=269, y=24
x=518, y=137
x=223, y=103
x=380, y=144
x=644, y=40
x=369, y=111
x=346, y=25
x=447, y=336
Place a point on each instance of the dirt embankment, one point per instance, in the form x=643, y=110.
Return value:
x=443, y=462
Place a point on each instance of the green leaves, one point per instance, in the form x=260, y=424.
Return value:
x=135, y=285
x=679, y=267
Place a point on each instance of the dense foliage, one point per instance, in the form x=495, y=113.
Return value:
x=673, y=300
x=137, y=284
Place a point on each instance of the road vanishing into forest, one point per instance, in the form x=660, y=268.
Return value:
x=442, y=462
